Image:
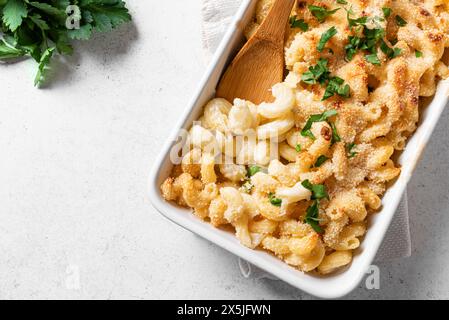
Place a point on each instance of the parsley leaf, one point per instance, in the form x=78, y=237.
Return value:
x=321, y=13
x=312, y=214
x=48, y=9
x=355, y=22
x=418, y=54
x=319, y=162
x=335, y=137
x=312, y=217
x=400, y=21
x=43, y=66
x=301, y=24
x=13, y=14
x=342, y=2
x=373, y=58
x=390, y=52
x=335, y=86
x=325, y=37
x=318, y=190
x=387, y=12
x=8, y=52
x=306, y=132
x=274, y=201
x=349, y=148
x=372, y=37
x=318, y=73
x=368, y=42
x=253, y=170
x=298, y=148
x=352, y=47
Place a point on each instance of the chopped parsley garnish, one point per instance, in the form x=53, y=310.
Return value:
x=274, y=201
x=325, y=37
x=349, y=148
x=321, y=74
x=319, y=162
x=371, y=40
x=335, y=136
x=418, y=54
x=387, y=12
x=301, y=24
x=253, y=170
x=356, y=22
x=373, y=58
x=318, y=190
x=312, y=214
x=400, y=21
x=335, y=86
x=352, y=47
x=390, y=52
x=306, y=131
x=342, y=2
x=317, y=74
x=321, y=13
x=312, y=217
x=372, y=36
x=298, y=148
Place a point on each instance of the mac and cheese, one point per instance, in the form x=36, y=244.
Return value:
x=299, y=176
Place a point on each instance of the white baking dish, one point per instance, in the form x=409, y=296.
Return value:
x=333, y=286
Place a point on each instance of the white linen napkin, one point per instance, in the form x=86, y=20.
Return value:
x=216, y=16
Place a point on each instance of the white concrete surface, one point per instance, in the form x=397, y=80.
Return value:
x=75, y=220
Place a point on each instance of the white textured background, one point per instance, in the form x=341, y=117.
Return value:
x=74, y=162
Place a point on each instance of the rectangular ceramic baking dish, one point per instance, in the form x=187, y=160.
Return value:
x=333, y=286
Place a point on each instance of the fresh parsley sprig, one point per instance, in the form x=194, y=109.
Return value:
x=298, y=23
x=387, y=12
x=400, y=21
x=319, y=192
x=335, y=86
x=321, y=13
x=369, y=40
x=317, y=74
x=321, y=74
x=325, y=37
x=390, y=52
x=252, y=170
x=38, y=29
x=319, y=162
x=274, y=201
x=307, y=132
x=312, y=217
x=349, y=150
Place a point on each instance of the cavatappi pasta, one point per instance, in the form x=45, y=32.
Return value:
x=299, y=176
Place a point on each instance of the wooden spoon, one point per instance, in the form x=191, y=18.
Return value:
x=260, y=63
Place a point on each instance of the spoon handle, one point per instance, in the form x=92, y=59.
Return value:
x=273, y=27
